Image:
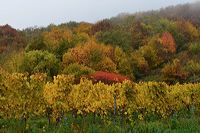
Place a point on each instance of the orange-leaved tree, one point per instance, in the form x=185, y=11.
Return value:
x=168, y=42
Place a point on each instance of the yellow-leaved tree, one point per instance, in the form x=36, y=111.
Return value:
x=56, y=36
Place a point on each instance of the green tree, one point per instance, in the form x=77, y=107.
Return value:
x=116, y=38
x=194, y=48
x=37, y=43
x=77, y=70
x=40, y=61
x=123, y=63
x=139, y=33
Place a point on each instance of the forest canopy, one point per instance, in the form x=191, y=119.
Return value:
x=160, y=45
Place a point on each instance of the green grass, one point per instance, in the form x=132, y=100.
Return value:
x=89, y=125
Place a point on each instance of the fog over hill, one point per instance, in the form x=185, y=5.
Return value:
x=188, y=11
x=22, y=13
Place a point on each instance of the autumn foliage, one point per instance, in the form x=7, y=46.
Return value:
x=139, y=67
x=103, y=25
x=168, y=42
x=174, y=71
x=107, y=77
x=10, y=38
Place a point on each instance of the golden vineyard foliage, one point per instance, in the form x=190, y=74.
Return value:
x=24, y=96
x=164, y=100
x=56, y=94
x=87, y=97
x=21, y=95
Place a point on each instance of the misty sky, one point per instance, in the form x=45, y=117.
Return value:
x=27, y=13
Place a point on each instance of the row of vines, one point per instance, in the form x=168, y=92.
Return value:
x=24, y=96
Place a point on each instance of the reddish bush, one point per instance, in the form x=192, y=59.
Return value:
x=107, y=77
